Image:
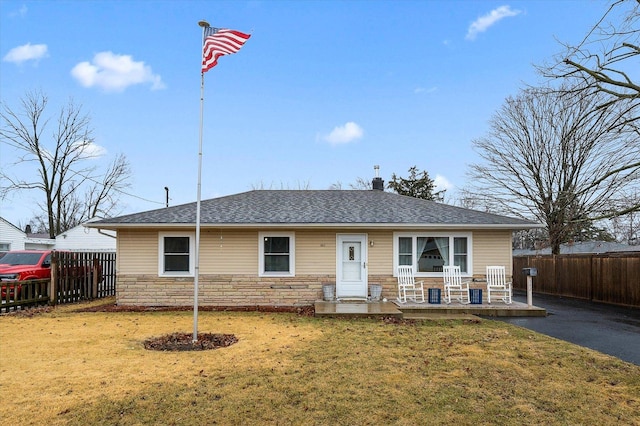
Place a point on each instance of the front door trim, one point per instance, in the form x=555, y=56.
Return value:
x=351, y=286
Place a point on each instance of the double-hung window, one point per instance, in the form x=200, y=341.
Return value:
x=428, y=253
x=176, y=254
x=277, y=254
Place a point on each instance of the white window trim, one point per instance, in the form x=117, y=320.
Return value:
x=192, y=254
x=450, y=235
x=292, y=254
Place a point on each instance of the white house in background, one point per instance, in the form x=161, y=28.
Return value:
x=11, y=237
x=79, y=238
x=39, y=242
x=82, y=238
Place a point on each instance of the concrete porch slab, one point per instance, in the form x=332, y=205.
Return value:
x=455, y=310
x=497, y=309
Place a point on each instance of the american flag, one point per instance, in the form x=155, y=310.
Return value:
x=218, y=42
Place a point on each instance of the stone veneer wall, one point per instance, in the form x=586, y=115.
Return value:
x=240, y=290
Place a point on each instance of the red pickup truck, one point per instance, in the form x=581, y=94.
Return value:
x=24, y=265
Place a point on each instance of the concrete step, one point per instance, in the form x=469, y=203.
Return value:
x=363, y=309
x=438, y=316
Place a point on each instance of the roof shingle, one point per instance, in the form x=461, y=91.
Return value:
x=315, y=207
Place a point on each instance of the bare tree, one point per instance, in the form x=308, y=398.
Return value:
x=626, y=228
x=468, y=199
x=360, y=183
x=74, y=190
x=300, y=185
x=607, y=57
x=559, y=159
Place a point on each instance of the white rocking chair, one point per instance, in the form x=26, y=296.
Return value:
x=408, y=285
x=453, y=284
x=497, y=283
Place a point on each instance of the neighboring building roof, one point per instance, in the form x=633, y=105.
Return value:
x=316, y=208
x=38, y=235
x=81, y=238
x=75, y=239
x=581, y=247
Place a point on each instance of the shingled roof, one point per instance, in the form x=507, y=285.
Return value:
x=313, y=208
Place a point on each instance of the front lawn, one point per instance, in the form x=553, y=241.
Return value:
x=66, y=367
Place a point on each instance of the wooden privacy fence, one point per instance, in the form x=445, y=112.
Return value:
x=75, y=276
x=608, y=277
x=79, y=276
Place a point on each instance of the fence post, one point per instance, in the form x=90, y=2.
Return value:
x=592, y=267
x=53, y=283
x=95, y=276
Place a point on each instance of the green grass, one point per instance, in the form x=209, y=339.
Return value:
x=65, y=367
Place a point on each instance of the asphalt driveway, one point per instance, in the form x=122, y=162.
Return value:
x=608, y=329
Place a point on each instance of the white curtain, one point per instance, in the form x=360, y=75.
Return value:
x=421, y=245
x=443, y=247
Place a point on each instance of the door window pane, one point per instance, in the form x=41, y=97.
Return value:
x=351, y=261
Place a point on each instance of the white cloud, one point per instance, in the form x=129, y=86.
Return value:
x=19, y=13
x=483, y=23
x=442, y=183
x=344, y=134
x=86, y=149
x=418, y=90
x=94, y=150
x=27, y=52
x=114, y=73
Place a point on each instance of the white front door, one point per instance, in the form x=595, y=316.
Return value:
x=351, y=265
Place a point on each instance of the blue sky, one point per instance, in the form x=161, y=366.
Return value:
x=320, y=93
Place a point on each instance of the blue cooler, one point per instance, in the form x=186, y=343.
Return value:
x=434, y=295
x=475, y=296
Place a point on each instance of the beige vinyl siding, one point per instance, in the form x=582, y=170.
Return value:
x=491, y=248
x=380, y=253
x=229, y=252
x=236, y=251
x=315, y=252
x=137, y=252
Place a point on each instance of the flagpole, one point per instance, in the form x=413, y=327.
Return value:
x=215, y=42
x=204, y=25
